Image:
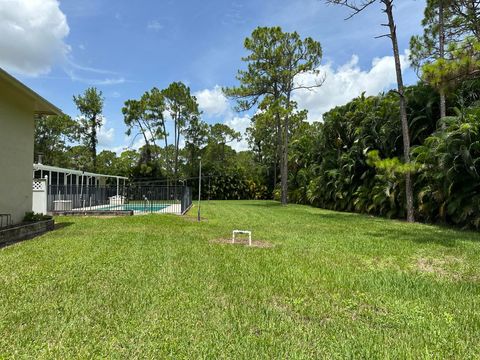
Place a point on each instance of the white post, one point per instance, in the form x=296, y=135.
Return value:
x=118, y=185
x=199, y=187
x=39, y=196
x=81, y=186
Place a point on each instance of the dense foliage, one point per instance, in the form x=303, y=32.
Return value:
x=409, y=153
x=351, y=161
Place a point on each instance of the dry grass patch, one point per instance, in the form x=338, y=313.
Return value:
x=440, y=267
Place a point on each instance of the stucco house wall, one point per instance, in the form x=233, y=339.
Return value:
x=18, y=107
x=16, y=153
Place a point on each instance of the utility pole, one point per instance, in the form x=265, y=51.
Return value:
x=199, y=186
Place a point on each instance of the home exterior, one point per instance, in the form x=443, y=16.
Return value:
x=19, y=106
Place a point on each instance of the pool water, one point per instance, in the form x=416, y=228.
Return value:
x=137, y=207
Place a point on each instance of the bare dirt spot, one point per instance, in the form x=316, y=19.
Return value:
x=255, y=243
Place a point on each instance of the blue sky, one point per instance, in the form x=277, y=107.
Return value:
x=126, y=47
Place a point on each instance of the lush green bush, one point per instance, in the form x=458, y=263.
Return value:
x=331, y=168
x=30, y=216
x=449, y=178
x=233, y=184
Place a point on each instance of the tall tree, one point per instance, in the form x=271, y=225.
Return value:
x=466, y=27
x=431, y=47
x=263, y=142
x=196, y=136
x=275, y=59
x=358, y=7
x=448, y=51
x=53, y=134
x=127, y=162
x=222, y=135
x=107, y=162
x=146, y=115
x=79, y=157
x=90, y=105
x=466, y=17
x=182, y=108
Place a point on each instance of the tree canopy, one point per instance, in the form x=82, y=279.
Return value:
x=410, y=153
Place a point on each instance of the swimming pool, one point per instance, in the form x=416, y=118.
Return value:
x=137, y=207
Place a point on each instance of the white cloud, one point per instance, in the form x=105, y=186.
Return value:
x=32, y=40
x=212, y=101
x=341, y=85
x=239, y=124
x=154, y=25
x=90, y=75
x=33, y=35
x=106, y=135
x=118, y=149
x=345, y=83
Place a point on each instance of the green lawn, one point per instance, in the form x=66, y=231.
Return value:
x=333, y=285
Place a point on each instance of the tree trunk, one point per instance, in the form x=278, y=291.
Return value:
x=176, y=157
x=278, y=151
x=443, y=104
x=275, y=165
x=93, y=142
x=441, y=36
x=284, y=169
x=403, y=109
x=284, y=165
x=278, y=155
x=177, y=136
x=281, y=154
x=147, y=144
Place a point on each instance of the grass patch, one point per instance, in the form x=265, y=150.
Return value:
x=332, y=285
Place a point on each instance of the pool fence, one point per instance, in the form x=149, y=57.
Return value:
x=171, y=199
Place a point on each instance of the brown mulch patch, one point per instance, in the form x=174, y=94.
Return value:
x=255, y=243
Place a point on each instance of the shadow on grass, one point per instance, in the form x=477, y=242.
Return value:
x=62, y=225
x=386, y=229
x=265, y=204
x=58, y=226
x=418, y=236
x=398, y=230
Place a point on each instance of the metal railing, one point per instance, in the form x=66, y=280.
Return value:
x=5, y=220
x=136, y=198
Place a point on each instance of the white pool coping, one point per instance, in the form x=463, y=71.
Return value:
x=170, y=209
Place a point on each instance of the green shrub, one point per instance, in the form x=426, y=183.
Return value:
x=30, y=216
